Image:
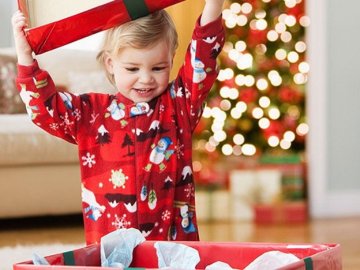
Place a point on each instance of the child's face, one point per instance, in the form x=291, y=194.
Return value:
x=141, y=74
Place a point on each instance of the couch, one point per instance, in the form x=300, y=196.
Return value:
x=39, y=173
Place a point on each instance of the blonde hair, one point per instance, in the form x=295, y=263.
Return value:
x=140, y=33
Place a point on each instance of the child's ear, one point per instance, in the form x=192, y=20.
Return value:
x=108, y=61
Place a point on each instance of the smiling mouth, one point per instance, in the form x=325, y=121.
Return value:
x=143, y=90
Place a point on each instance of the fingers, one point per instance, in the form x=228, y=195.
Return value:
x=19, y=21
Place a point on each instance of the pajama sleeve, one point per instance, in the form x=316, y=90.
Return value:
x=199, y=71
x=58, y=113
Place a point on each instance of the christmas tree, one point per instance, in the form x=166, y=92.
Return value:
x=257, y=104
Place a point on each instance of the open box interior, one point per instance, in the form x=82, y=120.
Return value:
x=40, y=12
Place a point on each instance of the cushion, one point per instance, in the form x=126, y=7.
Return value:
x=92, y=81
x=24, y=143
x=75, y=70
x=10, y=102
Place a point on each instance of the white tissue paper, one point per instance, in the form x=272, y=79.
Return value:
x=38, y=260
x=176, y=256
x=272, y=260
x=117, y=247
x=218, y=266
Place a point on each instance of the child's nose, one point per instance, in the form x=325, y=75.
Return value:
x=146, y=77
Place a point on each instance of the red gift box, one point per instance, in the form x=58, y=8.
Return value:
x=237, y=255
x=284, y=212
x=59, y=33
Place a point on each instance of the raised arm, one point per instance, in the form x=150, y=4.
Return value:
x=23, y=49
x=211, y=11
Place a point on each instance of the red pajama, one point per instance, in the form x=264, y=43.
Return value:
x=135, y=159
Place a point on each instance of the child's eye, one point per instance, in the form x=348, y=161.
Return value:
x=134, y=69
x=158, y=68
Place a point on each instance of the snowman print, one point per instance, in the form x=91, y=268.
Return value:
x=199, y=72
x=159, y=154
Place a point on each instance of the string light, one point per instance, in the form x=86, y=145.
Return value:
x=290, y=20
x=260, y=14
x=289, y=136
x=227, y=149
x=304, y=21
x=249, y=80
x=257, y=113
x=210, y=147
x=235, y=8
x=300, y=46
x=260, y=49
x=248, y=149
x=242, y=106
x=280, y=54
x=225, y=105
x=264, y=123
x=234, y=93
x=207, y=112
x=293, y=57
x=238, y=139
x=236, y=113
x=286, y=36
x=262, y=84
x=224, y=92
x=290, y=3
x=264, y=102
x=241, y=20
x=231, y=21
x=280, y=27
x=302, y=129
x=274, y=78
x=304, y=67
x=285, y=144
x=272, y=35
x=300, y=78
x=244, y=61
x=273, y=141
x=213, y=142
x=240, y=45
x=274, y=113
x=219, y=136
x=240, y=80
x=246, y=8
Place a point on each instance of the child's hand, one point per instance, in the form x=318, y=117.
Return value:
x=215, y=2
x=212, y=10
x=23, y=49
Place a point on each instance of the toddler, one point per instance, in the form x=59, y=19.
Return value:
x=134, y=147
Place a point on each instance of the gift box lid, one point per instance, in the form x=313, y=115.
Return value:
x=52, y=35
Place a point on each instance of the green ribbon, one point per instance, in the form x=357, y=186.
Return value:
x=308, y=263
x=136, y=8
x=69, y=258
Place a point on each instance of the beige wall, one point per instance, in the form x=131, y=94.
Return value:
x=184, y=15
